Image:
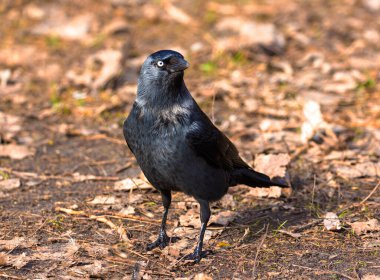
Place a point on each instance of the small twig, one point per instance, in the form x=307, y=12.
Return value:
x=370, y=194
x=105, y=137
x=6, y=276
x=104, y=162
x=313, y=192
x=120, y=230
x=78, y=178
x=292, y=234
x=258, y=251
x=136, y=271
x=299, y=151
x=125, y=167
x=322, y=271
x=308, y=225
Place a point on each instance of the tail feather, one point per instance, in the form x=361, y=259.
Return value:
x=253, y=178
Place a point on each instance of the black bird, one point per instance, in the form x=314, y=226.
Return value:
x=177, y=146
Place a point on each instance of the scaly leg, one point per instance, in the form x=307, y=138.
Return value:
x=163, y=239
x=198, y=254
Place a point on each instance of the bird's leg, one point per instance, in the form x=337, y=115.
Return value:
x=163, y=239
x=198, y=254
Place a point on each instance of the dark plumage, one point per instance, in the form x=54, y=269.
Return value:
x=177, y=146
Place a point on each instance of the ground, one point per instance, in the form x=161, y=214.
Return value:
x=292, y=83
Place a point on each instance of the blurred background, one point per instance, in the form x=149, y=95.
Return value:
x=294, y=84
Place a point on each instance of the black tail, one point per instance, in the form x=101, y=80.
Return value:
x=253, y=178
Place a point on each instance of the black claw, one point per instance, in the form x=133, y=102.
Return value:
x=196, y=256
x=162, y=242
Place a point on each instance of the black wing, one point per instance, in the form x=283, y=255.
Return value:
x=212, y=145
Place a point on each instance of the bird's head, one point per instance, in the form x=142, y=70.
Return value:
x=161, y=79
x=164, y=66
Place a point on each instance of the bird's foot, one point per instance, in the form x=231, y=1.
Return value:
x=162, y=241
x=197, y=255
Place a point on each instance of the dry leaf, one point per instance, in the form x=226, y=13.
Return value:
x=272, y=165
x=223, y=244
x=272, y=192
x=110, y=61
x=19, y=261
x=127, y=211
x=202, y=276
x=371, y=277
x=17, y=242
x=93, y=269
x=313, y=120
x=331, y=221
x=191, y=218
x=96, y=250
x=363, y=227
x=4, y=259
x=9, y=125
x=366, y=169
x=186, y=232
x=129, y=184
x=177, y=14
x=104, y=200
x=15, y=151
x=111, y=66
x=228, y=201
x=223, y=218
x=58, y=24
x=240, y=32
x=175, y=249
x=10, y=184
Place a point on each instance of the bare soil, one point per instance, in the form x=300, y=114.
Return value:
x=50, y=225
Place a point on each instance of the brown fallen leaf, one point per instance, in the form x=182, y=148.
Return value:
x=17, y=242
x=365, y=169
x=129, y=184
x=18, y=261
x=93, y=269
x=227, y=201
x=9, y=125
x=202, y=276
x=272, y=165
x=127, y=211
x=58, y=24
x=191, y=218
x=177, y=14
x=272, y=192
x=15, y=151
x=331, y=221
x=96, y=250
x=239, y=34
x=363, y=227
x=223, y=218
x=185, y=232
x=4, y=259
x=10, y=184
x=104, y=200
x=371, y=277
x=313, y=120
x=175, y=249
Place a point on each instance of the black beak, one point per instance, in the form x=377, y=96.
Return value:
x=177, y=64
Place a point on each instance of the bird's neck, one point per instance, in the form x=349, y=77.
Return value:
x=159, y=95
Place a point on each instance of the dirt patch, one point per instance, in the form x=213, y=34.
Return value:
x=302, y=81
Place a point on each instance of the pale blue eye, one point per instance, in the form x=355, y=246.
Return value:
x=160, y=63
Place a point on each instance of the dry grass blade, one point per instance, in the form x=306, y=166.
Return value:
x=370, y=194
x=323, y=271
x=258, y=251
x=119, y=229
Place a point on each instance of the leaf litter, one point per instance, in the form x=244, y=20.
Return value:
x=281, y=92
